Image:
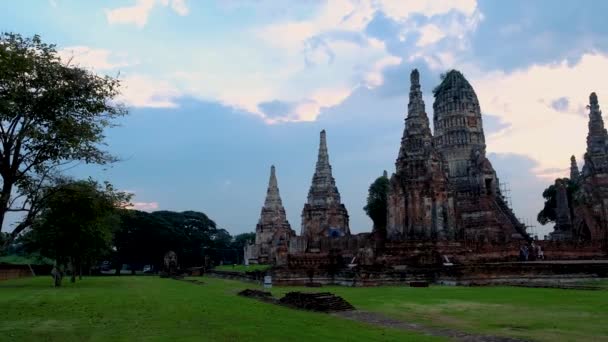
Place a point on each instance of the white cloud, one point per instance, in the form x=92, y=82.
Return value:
x=178, y=6
x=138, y=13
x=335, y=35
x=144, y=206
x=523, y=100
x=144, y=91
x=401, y=9
x=309, y=63
x=429, y=34
x=97, y=59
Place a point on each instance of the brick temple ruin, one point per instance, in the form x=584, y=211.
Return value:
x=445, y=207
x=444, y=187
x=583, y=216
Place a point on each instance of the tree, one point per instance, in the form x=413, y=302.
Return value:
x=144, y=238
x=238, y=244
x=548, y=214
x=76, y=225
x=377, y=199
x=52, y=114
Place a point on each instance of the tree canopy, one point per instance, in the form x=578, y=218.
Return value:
x=144, y=238
x=548, y=213
x=377, y=198
x=76, y=225
x=52, y=113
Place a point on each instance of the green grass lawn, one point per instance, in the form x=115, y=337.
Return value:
x=531, y=313
x=242, y=268
x=150, y=308
x=153, y=309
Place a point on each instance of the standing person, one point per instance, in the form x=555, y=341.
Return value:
x=533, y=252
x=540, y=253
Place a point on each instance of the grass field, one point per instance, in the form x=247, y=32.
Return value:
x=150, y=308
x=529, y=313
x=154, y=309
x=242, y=268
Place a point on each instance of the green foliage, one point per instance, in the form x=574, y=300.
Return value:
x=144, y=238
x=77, y=222
x=377, y=198
x=52, y=113
x=548, y=214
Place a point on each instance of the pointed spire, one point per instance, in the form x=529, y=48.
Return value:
x=417, y=133
x=385, y=174
x=323, y=158
x=596, y=158
x=597, y=138
x=574, y=173
x=323, y=188
x=273, y=198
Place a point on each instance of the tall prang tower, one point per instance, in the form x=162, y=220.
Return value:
x=323, y=214
x=590, y=221
x=482, y=214
x=273, y=229
x=420, y=206
x=596, y=156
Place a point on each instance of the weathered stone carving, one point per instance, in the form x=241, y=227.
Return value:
x=445, y=187
x=323, y=215
x=574, y=172
x=590, y=221
x=273, y=231
x=170, y=266
x=420, y=205
x=481, y=212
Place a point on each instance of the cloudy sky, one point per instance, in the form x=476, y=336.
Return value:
x=220, y=90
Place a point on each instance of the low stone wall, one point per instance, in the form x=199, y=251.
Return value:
x=256, y=276
x=506, y=273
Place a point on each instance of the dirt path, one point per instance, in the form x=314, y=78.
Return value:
x=385, y=321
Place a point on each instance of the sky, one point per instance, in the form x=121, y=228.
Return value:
x=218, y=91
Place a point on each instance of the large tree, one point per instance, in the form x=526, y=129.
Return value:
x=52, y=114
x=76, y=224
x=143, y=238
x=548, y=213
x=376, y=207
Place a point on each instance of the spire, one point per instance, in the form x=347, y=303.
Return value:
x=574, y=173
x=417, y=133
x=323, y=158
x=596, y=158
x=597, y=136
x=273, y=198
x=323, y=188
x=385, y=174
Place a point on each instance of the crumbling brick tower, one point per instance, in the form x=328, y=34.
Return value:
x=482, y=215
x=420, y=206
x=323, y=214
x=591, y=200
x=273, y=230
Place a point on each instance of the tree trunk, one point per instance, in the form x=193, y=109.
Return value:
x=5, y=196
x=80, y=271
x=56, y=274
x=73, y=271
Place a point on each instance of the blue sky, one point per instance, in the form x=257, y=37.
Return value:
x=220, y=90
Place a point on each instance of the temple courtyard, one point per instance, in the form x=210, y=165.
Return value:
x=151, y=308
